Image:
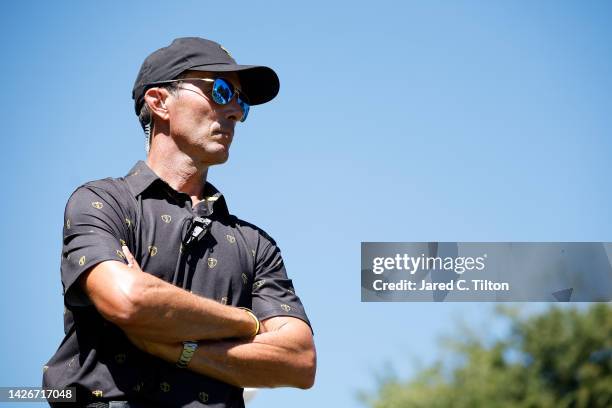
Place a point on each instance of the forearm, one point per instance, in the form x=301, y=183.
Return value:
x=150, y=308
x=283, y=357
x=261, y=362
x=166, y=313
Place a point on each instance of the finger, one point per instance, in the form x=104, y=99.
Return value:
x=128, y=256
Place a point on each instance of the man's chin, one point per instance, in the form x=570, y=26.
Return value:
x=219, y=158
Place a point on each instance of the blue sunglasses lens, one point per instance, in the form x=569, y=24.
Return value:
x=245, y=109
x=223, y=93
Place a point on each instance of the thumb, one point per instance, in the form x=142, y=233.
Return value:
x=128, y=256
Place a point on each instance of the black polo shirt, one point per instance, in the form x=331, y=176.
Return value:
x=234, y=263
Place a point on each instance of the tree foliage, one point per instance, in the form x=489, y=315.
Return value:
x=559, y=358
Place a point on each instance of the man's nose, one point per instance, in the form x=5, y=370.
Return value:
x=233, y=111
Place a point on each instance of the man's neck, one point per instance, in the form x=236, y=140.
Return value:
x=180, y=172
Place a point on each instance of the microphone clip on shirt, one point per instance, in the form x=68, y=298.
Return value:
x=198, y=228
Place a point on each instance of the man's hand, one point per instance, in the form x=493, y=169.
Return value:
x=131, y=261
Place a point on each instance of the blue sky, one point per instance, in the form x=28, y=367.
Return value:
x=396, y=121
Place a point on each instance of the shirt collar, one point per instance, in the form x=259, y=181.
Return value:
x=141, y=177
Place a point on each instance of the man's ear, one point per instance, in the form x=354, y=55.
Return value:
x=155, y=98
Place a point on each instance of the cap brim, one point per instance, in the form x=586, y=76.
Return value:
x=259, y=83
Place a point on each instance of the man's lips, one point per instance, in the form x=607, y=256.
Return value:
x=223, y=132
x=222, y=136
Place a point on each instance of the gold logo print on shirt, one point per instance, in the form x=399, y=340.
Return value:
x=139, y=386
x=128, y=222
x=82, y=260
x=68, y=223
x=97, y=204
x=97, y=393
x=166, y=218
x=152, y=250
x=120, y=358
x=165, y=387
x=259, y=284
x=212, y=262
x=230, y=238
x=285, y=307
x=203, y=397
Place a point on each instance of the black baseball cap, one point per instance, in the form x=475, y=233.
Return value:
x=260, y=84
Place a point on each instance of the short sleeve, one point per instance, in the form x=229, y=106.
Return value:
x=273, y=291
x=94, y=231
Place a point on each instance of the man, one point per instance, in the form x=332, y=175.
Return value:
x=170, y=300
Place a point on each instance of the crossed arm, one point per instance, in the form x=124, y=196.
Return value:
x=158, y=316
